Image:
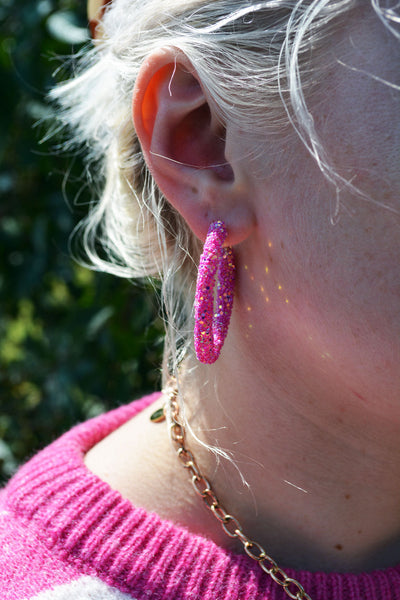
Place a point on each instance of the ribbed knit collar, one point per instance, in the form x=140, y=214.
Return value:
x=82, y=520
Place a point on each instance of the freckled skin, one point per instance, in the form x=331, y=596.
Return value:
x=343, y=280
x=331, y=354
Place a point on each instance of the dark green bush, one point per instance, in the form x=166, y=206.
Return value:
x=72, y=342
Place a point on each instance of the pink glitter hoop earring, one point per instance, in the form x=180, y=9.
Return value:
x=210, y=328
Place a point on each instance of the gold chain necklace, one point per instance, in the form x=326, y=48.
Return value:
x=203, y=488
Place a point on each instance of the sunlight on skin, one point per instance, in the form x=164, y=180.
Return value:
x=324, y=355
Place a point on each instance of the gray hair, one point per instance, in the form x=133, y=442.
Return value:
x=251, y=58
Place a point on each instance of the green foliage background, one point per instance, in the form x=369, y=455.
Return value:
x=73, y=343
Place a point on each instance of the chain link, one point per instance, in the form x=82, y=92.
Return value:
x=229, y=523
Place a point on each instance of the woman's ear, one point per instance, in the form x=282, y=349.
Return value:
x=184, y=145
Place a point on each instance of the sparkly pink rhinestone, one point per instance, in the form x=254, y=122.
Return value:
x=211, y=327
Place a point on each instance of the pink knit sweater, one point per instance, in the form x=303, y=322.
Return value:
x=65, y=535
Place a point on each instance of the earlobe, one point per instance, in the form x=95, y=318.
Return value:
x=183, y=142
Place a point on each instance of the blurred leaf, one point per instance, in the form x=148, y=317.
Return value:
x=64, y=26
x=98, y=321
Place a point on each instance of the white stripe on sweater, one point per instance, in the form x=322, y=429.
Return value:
x=85, y=588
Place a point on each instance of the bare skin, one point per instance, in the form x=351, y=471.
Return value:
x=306, y=393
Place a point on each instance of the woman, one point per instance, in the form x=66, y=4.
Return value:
x=271, y=128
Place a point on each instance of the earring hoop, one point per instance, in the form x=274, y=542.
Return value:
x=216, y=262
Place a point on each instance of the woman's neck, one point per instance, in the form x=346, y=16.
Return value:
x=322, y=478
x=322, y=471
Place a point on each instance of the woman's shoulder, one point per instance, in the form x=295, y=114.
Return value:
x=49, y=507
x=126, y=458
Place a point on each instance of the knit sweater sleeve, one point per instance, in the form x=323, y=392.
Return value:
x=30, y=568
x=29, y=571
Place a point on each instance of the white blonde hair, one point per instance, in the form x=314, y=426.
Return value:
x=250, y=56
